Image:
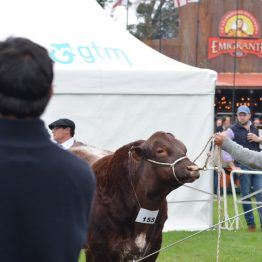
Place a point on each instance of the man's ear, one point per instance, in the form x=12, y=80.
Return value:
x=137, y=153
x=68, y=129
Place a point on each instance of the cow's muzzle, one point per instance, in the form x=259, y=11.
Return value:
x=193, y=173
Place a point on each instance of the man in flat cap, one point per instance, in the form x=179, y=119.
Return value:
x=63, y=131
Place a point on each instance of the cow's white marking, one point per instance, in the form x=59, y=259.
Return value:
x=141, y=241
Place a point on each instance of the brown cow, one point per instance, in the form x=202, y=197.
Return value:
x=135, y=180
x=89, y=153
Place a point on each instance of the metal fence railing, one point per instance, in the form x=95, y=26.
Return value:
x=242, y=200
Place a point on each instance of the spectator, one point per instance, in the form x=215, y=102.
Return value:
x=45, y=192
x=218, y=122
x=260, y=120
x=246, y=135
x=225, y=124
x=256, y=122
x=63, y=133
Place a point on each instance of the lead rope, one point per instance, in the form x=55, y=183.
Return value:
x=215, y=152
x=217, y=163
x=208, y=154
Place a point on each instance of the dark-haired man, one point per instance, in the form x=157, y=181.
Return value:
x=45, y=192
x=63, y=131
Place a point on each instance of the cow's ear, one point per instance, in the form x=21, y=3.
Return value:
x=136, y=152
x=171, y=135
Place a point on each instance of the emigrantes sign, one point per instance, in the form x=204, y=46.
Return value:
x=239, y=32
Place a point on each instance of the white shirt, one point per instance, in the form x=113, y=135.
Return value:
x=68, y=143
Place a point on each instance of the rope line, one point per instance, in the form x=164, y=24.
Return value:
x=217, y=156
x=197, y=233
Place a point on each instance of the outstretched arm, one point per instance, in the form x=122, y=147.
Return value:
x=239, y=153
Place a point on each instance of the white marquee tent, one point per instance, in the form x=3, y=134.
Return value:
x=118, y=90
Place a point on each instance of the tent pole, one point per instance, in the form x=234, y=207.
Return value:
x=160, y=31
x=235, y=69
x=127, y=9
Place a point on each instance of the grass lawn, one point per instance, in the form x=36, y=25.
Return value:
x=235, y=246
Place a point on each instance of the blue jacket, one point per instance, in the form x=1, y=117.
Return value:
x=45, y=196
x=240, y=134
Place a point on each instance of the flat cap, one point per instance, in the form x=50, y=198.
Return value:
x=63, y=122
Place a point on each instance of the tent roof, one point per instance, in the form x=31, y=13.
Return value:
x=94, y=55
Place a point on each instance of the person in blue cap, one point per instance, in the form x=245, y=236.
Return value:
x=244, y=133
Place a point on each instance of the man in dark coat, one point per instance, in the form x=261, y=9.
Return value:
x=46, y=192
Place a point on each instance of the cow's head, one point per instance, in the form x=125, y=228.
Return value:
x=163, y=158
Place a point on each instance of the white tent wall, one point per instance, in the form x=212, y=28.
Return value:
x=111, y=120
x=118, y=90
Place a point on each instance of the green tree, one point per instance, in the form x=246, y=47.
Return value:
x=156, y=19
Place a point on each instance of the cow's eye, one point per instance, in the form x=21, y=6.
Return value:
x=160, y=151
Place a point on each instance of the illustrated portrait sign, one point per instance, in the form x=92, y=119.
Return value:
x=238, y=33
x=238, y=23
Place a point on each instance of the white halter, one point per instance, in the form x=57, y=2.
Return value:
x=172, y=165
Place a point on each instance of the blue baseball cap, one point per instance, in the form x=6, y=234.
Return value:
x=243, y=109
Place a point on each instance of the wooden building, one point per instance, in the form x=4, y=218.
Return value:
x=223, y=35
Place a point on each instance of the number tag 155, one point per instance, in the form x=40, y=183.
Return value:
x=146, y=216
